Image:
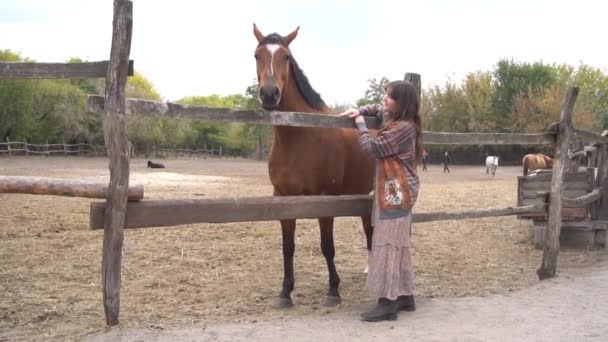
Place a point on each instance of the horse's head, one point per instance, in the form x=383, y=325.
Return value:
x=272, y=57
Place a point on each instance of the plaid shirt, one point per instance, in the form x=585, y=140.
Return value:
x=398, y=142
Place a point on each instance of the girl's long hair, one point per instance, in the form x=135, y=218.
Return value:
x=406, y=96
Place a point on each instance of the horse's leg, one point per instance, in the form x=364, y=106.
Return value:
x=327, y=247
x=369, y=229
x=283, y=301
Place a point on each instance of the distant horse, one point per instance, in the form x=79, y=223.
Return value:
x=307, y=160
x=155, y=165
x=491, y=164
x=535, y=162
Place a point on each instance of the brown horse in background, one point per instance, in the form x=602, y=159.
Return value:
x=536, y=161
x=307, y=160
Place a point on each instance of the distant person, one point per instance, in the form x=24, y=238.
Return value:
x=425, y=160
x=446, y=162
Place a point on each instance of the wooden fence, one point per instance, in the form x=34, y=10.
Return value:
x=13, y=148
x=111, y=215
x=10, y=148
x=215, y=152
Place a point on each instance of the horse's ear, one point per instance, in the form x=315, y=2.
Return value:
x=256, y=32
x=290, y=37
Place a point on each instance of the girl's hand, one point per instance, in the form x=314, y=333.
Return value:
x=351, y=113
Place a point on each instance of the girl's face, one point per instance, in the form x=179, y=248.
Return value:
x=390, y=105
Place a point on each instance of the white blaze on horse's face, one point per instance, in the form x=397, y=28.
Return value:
x=273, y=72
x=272, y=48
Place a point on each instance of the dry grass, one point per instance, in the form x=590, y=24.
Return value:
x=208, y=273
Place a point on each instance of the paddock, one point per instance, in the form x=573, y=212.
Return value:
x=199, y=274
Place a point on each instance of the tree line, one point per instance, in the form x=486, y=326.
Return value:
x=515, y=97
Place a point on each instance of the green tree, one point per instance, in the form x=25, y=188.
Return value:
x=593, y=84
x=518, y=79
x=533, y=111
x=449, y=108
x=374, y=92
x=16, y=114
x=139, y=87
x=479, y=92
x=257, y=139
x=210, y=134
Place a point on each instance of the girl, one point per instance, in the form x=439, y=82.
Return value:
x=397, y=149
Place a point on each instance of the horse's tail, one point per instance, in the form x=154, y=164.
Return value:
x=525, y=164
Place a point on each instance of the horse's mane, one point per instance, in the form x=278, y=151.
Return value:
x=310, y=95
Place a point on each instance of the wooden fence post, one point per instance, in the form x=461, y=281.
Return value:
x=118, y=152
x=415, y=79
x=602, y=169
x=46, y=149
x=260, y=152
x=8, y=142
x=548, y=267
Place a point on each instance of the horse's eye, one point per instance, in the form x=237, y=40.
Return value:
x=287, y=58
x=256, y=56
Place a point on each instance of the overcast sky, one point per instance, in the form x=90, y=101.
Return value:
x=206, y=47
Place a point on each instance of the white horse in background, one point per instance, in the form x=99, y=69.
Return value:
x=491, y=164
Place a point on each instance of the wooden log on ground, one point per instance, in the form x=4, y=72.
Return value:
x=548, y=268
x=117, y=147
x=62, y=187
x=17, y=70
x=164, y=213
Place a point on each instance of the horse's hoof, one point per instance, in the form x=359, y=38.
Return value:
x=331, y=301
x=366, y=270
x=282, y=303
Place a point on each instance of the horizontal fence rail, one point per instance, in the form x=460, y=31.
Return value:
x=95, y=104
x=163, y=213
x=210, y=152
x=17, y=70
x=591, y=197
x=589, y=136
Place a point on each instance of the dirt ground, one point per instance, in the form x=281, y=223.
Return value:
x=205, y=275
x=571, y=307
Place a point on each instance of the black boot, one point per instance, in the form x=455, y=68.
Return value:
x=406, y=303
x=385, y=310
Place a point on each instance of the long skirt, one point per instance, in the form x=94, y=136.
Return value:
x=391, y=272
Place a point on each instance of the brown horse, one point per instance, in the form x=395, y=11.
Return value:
x=536, y=161
x=305, y=160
